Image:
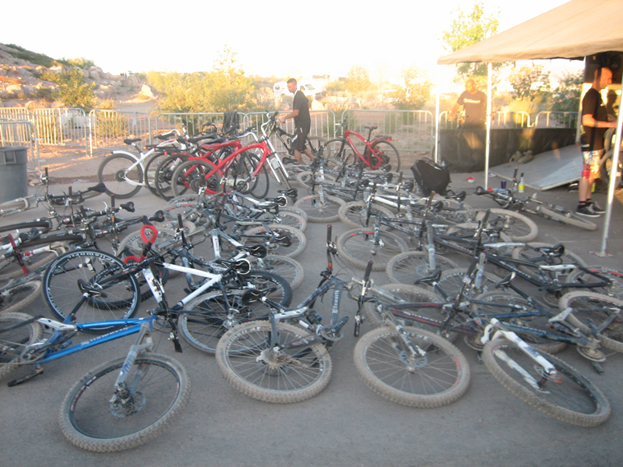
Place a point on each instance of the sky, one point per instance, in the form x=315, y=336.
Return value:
x=281, y=39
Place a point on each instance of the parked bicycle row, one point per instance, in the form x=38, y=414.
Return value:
x=235, y=254
x=280, y=354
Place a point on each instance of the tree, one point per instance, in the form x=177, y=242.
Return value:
x=415, y=91
x=566, y=96
x=225, y=88
x=74, y=92
x=467, y=29
x=358, y=79
x=530, y=83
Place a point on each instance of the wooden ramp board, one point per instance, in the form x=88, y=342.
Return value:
x=547, y=170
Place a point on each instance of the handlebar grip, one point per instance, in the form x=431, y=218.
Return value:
x=366, y=275
x=70, y=191
x=329, y=230
x=112, y=201
x=45, y=171
x=515, y=173
x=180, y=223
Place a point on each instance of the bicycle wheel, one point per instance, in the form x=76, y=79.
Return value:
x=517, y=226
x=290, y=269
x=615, y=276
x=250, y=364
x=605, y=170
x=260, y=236
x=319, y=209
x=498, y=302
x=315, y=143
x=358, y=246
x=76, y=272
x=387, y=153
x=403, y=293
x=335, y=153
x=567, y=396
x=242, y=173
x=437, y=378
x=151, y=171
x=193, y=175
x=410, y=266
x=566, y=218
x=163, y=177
x=18, y=296
x=121, y=177
x=42, y=226
x=596, y=308
x=10, y=268
x=211, y=316
x=96, y=417
x=17, y=331
x=133, y=243
x=355, y=213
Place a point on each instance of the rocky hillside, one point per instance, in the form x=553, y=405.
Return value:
x=21, y=87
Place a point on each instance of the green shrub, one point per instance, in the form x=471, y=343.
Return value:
x=111, y=124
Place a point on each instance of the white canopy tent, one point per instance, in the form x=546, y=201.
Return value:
x=574, y=30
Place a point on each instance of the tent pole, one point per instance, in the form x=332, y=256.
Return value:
x=488, y=122
x=436, y=146
x=611, y=186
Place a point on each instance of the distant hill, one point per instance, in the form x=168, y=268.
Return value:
x=21, y=85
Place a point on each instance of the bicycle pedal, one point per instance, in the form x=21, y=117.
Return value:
x=23, y=379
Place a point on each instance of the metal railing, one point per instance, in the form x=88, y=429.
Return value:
x=411, y=130
x=551, y=119
x=108, y=128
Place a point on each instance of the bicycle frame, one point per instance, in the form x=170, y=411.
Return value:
x=368, y=152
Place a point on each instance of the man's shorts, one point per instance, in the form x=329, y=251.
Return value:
x=590, y=170
x=298, y=140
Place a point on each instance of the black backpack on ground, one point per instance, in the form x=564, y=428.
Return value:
x=430, y=176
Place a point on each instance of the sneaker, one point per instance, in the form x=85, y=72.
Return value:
x=597, y=208
x=586, y=211
x=289, y=160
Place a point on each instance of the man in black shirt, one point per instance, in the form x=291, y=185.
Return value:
x=475, y=104
x=302, y=123
x=594, y=123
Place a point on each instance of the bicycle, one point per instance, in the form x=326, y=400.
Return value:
x=124, y=173
x=277, y=361
x=508, y=199
x=377, y=153
x=49, y=200
x=214, y=150
x=195, y=173
x=519, y=363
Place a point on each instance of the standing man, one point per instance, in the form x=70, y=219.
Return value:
x=594, y=123
x=475, y=104
x=302, y=123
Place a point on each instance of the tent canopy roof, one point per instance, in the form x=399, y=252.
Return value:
x=573, y=30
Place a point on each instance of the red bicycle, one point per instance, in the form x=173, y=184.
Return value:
x=376, y=154
x=244, y=169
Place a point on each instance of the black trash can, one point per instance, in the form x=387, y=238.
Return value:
x=13, y=172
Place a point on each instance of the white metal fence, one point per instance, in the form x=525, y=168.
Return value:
x=411, y=130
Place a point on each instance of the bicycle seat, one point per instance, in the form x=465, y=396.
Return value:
x=481, y=191
x=556, y=250
x=100, y=188
x=460, y=197
x=131, y=140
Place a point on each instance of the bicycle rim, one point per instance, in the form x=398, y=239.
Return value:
x=158, y=390
x=569, y=397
